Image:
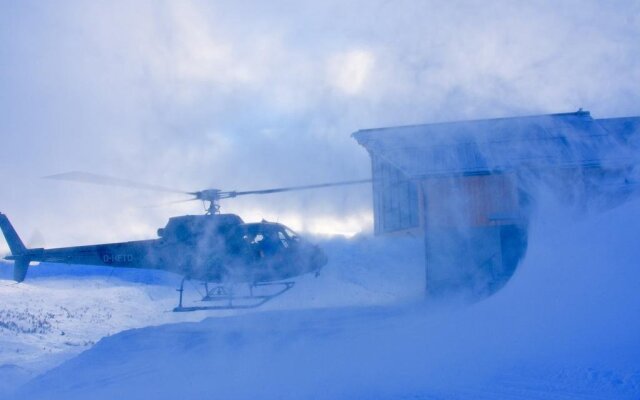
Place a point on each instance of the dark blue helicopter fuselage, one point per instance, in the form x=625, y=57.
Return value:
x=214, y=248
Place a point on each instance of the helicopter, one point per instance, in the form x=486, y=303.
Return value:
x=214, y=248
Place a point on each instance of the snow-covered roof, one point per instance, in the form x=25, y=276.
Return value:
x=480, y=146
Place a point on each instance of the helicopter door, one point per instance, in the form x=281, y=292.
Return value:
x=270, y=243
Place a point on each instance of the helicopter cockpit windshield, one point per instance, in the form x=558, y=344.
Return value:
x=269, y=238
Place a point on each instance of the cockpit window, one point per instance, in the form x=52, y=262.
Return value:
x=291, y=234
x=257, y=239
x=283, y=239
x=266, y=239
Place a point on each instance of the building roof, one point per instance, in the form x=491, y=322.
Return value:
x=480, y=146
x=626, y=129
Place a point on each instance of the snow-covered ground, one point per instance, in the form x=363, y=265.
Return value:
x=46, y=320
x=565, y=327
x=61, y=310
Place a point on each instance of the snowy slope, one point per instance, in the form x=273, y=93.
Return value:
x=44, y=321
x=565, y=327
x=61, y=310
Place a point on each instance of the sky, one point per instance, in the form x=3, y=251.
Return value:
x=253, y=95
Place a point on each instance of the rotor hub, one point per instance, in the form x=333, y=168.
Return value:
x=213, y=196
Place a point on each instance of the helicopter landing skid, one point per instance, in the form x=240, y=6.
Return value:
x=223, y=298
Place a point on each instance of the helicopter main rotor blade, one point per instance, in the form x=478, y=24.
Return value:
x=96, y=179
x=169, y=203
x=305, y=187
x=207, y=195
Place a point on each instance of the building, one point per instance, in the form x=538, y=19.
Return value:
x=469, y=186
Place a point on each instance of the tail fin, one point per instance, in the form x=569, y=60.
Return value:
x=10, y=234
x=21, y=263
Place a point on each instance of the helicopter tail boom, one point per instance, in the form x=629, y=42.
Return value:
x=18, y=249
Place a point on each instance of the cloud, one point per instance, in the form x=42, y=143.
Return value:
x=350, y=71
x=240, y=96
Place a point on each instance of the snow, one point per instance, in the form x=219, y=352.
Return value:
x=47, y=320
x=565, y=327
x=62, y=310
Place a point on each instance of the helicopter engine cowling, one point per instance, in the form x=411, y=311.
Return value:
x=191, y=228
